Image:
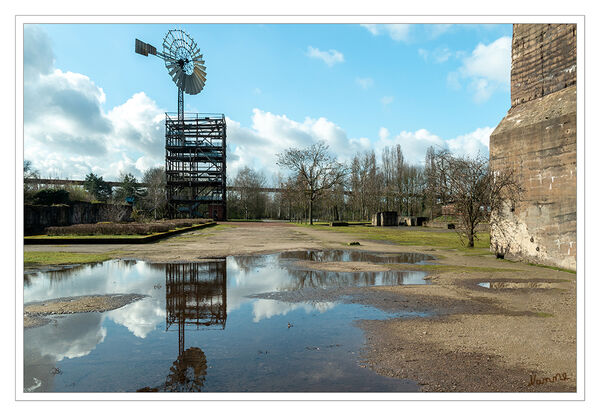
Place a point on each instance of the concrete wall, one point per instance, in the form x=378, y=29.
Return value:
x=537, y=139
x=38, y=217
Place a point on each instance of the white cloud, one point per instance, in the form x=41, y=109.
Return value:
x=388, y=99
x=438, y=29
x=398, y=32
x=364, y=83
x=414, y=144
x=485, y=70
x=383, y=133
x=473, y=143
x=330, y=57
x=67, y=132
x=438, y=55
x=270, y=134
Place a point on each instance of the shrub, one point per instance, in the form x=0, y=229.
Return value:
x=109, y=228
x=51, y=197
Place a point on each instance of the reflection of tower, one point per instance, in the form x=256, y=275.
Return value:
x=196, y=296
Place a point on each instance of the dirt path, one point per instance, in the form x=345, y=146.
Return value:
x=517, y=335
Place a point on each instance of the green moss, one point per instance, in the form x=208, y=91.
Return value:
x=46, y=258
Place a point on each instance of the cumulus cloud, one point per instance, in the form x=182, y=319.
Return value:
x=485, y=70
x=270, y=134
x=67, y=132
x=364, y=83
x=415, y=144
x=473, y=143
x=330, y=57
x=397, y=32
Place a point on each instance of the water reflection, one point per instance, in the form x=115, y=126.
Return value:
x=193, y=296
x=196, y=296
x=358, y=256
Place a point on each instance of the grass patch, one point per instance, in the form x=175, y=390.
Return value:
x=558, y=269
x=543, y=315
x=242, y=220
x=553, y=268
x=47, y=258
x=405, y=236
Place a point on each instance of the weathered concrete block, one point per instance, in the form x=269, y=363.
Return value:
x=538, y=140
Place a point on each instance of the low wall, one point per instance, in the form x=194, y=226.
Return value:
x=38, y=217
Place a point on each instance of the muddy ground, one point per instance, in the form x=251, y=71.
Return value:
x=37, y=313
x=517, y=335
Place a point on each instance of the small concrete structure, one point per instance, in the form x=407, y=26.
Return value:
x=413, y=221
x=385, y=219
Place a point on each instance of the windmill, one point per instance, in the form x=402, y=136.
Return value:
x=183, y=61
x=195, y=144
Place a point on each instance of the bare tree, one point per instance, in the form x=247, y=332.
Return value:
x=252, y=202
x=474, y=190
x=156, y=197
x=316, y=168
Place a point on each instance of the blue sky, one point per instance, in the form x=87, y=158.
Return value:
x=92, y=104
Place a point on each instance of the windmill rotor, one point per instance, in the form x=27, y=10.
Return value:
x=182, y=58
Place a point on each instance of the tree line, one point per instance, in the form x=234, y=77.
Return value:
x=315, y=185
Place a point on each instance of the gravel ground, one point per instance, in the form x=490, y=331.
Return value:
x=517, y=335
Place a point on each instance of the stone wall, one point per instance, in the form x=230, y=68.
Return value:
x=537, y=139
x=38, y=217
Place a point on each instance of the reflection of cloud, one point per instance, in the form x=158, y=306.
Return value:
x=140, y=317
x=266, y=308
x=71, y=336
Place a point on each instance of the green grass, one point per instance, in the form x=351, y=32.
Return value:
x=406, y=236
x=242, y=220
x=46, y=258
x=552, y=268
x=559, y=269
x=543, y=315
x=95, y=236
x=66, y=236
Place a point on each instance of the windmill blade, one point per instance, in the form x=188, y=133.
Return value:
x=196, y=85
x=200, y=74
x=178, y=45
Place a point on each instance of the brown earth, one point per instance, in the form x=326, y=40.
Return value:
x=476, y=339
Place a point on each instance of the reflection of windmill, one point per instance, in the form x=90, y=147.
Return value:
x=195, y=143
x=196, y=297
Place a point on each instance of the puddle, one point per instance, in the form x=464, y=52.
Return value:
x=357, y=255
x=198, y=330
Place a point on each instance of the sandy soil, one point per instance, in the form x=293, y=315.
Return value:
x=35, y=313
x=517, y=335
